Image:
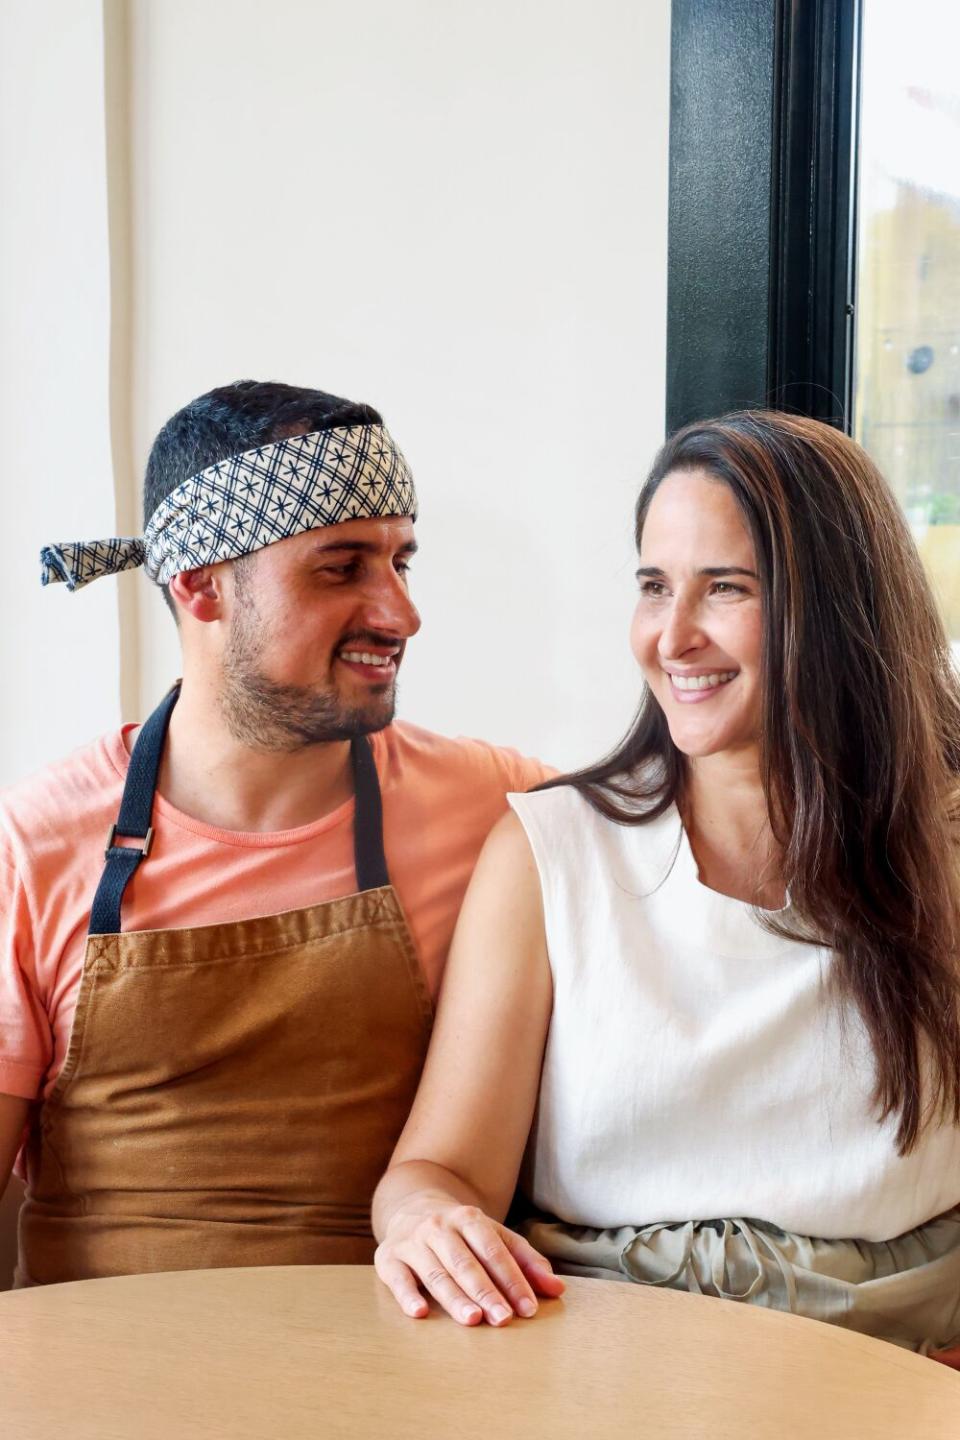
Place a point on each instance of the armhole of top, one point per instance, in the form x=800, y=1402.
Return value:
x=540, y=828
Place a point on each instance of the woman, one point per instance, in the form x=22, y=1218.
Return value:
x=732, y=947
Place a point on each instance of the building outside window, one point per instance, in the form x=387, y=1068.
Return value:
x=906, y=409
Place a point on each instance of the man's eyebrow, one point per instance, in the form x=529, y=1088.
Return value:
x=715, y=572
x=363, y=547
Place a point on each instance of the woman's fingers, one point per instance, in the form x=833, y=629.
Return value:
x=435, y=1276
x=480, y=1262
x=491, y=1244
x=421, y=1264
x=402, y=1284
x=535, y=1266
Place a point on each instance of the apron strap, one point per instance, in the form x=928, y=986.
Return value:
x=136, y=812
x=133, y=822
x=369, y=859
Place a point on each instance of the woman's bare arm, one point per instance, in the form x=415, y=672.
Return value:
x=437, y=1209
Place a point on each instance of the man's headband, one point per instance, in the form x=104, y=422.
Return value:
x=251, y=500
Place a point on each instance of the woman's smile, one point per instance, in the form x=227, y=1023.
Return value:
x=691, y=687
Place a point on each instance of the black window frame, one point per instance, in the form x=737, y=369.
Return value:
x=762, y=207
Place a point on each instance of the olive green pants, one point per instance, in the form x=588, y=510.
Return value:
x=906, y=1290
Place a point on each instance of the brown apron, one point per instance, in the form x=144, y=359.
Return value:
x=231, y=1093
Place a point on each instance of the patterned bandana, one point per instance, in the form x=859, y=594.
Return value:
x=251, y=500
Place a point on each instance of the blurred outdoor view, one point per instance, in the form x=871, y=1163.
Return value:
x=907, y=368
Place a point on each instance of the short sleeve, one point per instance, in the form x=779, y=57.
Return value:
x=522, y=772
x=26, y=1045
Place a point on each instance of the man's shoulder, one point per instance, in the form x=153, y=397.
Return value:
x=408, y=753
x=65, y=798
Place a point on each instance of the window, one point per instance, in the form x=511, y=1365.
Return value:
x=907, y=365
x=814, y=254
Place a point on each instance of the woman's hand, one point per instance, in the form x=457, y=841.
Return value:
x=474, y=1267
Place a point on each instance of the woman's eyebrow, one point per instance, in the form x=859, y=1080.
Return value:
x=714, y=571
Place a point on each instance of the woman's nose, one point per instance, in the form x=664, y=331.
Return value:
x=681, y=632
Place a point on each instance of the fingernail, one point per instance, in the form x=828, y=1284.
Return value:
x=500, y=1313
x=469, y=1312
x=526, y=1308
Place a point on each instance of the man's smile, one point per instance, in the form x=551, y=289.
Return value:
x=378, y=663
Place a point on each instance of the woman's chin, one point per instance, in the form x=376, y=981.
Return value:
x=694, y=751
x=699, y=745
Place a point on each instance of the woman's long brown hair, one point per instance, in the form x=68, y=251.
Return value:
x=860, y=739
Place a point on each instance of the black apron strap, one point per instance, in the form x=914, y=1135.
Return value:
x=368, y=855
x=133, y=822
x=136, y=812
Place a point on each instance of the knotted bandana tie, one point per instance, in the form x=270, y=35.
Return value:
x=249, y=501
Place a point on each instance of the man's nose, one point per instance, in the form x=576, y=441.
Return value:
x=388, y=607
x=681, y=631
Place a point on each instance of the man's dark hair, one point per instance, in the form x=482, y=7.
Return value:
x=235, y=418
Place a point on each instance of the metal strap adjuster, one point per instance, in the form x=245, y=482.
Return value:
x=147, y=842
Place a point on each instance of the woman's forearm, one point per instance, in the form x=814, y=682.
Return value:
x=439, y=1226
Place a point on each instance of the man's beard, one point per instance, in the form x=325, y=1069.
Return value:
x=267, y=715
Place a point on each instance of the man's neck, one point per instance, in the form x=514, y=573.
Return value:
x=209, y=774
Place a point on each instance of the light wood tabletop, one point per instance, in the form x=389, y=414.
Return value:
x=280, y=1354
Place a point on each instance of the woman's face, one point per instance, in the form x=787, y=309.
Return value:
x=697, y=628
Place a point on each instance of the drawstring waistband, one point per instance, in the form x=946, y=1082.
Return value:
x=736, y=1251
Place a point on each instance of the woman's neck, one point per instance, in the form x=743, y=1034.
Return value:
x=727, y=822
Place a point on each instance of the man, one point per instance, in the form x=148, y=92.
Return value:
x=212, y=1029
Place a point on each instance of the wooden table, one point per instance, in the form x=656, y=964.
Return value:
x=280, y=1354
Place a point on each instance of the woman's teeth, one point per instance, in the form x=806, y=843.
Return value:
x=702, y=682
x=363, y=657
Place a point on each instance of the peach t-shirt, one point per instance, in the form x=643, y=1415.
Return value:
x=440, y=798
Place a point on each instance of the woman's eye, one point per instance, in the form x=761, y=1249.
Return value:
x=725, y=587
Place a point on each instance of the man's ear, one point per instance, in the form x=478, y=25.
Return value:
x=200, y=593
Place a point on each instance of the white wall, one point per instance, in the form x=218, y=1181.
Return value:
x=458, y=213
x=454, y=211
x=59, y=657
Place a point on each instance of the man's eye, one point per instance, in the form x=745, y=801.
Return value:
x=402, y=567
x=652, y=588
x=338, y=572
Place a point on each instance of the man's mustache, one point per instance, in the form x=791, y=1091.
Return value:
x=370, y=637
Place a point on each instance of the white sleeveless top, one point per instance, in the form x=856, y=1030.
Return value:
x=696, y=1066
